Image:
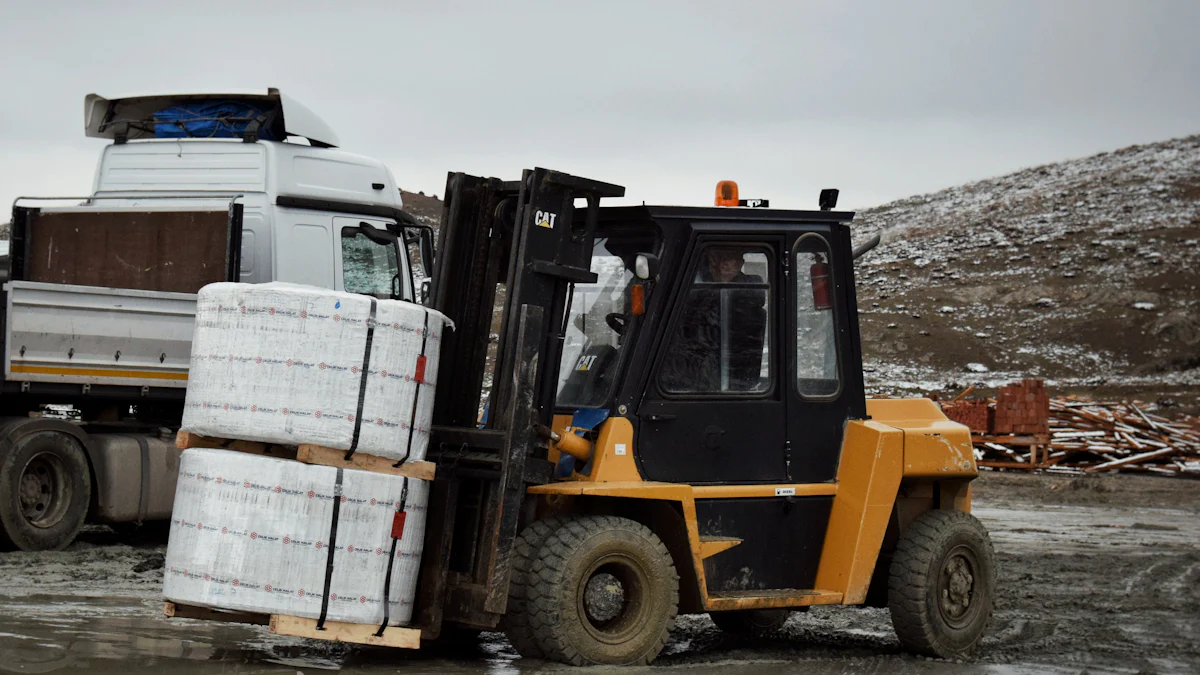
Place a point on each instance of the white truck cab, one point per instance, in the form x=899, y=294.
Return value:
x=297, y=194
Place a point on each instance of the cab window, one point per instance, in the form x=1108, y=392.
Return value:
x=720, y=344
x=370, y=262
x=816, y=326
x=600, y=321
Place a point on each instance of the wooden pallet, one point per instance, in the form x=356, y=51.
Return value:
x=295, y=626
x=310, y=453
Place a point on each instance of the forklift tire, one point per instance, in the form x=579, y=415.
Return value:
x=604, y=591
x=45, y=490
x=516, y=618
x=755, y=623
x=942, y=586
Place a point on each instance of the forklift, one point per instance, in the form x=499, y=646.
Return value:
x=674, y=422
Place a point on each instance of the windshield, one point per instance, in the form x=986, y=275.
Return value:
x=370, y=267
x=598, y=325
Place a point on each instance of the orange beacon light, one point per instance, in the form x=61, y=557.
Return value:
x=727, y=193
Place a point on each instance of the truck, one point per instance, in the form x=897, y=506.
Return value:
x=99, y=293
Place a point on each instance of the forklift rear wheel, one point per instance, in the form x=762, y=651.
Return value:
x=516, y=620
x=603, y=591
x=751, y=622
x=45, y=489
x=942, y=586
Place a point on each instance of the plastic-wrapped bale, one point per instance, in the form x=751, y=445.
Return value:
x=290, y=364
x=255, y=533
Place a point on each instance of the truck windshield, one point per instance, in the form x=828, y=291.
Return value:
x=370, y=263
x=599, y=324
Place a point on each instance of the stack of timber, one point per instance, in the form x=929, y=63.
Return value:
x=1086, y=436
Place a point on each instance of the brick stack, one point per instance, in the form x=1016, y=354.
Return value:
x=1022, y=408
x=976, y=414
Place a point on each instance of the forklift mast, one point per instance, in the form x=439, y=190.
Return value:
x=534, y=239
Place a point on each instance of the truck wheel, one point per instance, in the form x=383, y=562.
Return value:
x=604, y=592
x=45, y=489
x=516, y=618
x=751, y=622
x=942, y=585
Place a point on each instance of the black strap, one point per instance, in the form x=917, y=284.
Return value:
x=387, y=579
x=412, y=422
x=362, y=382
x=333, y=527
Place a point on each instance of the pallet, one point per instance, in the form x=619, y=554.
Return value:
x=310, y=453
x=295, y=626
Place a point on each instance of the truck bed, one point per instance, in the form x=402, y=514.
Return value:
x=90, y=335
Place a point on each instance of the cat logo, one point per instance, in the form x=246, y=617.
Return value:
x=545, y=219
x=585, y=363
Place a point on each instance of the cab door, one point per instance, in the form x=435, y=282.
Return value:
x=821, y=388
x=713, y=411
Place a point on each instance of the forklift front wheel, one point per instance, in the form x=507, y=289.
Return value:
x=603, y=591
x=525, y=553
x=942, y=585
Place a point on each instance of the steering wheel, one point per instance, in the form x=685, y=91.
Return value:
x=615, y=321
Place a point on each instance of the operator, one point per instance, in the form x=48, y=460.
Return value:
x=695, y=361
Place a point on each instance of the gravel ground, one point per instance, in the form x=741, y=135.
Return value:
x=1100, y=574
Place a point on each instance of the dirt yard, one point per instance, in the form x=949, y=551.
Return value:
x=1097, y=574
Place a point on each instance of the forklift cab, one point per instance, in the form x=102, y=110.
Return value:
x=739, y=362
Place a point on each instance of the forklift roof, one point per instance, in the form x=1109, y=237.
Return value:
x=726, y=213
x=297, y=120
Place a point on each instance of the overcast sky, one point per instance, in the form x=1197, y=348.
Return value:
x=880, y=99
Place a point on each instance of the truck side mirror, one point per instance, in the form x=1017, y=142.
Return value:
x=645, y=266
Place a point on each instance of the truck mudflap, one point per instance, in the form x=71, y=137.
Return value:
x=90, y=335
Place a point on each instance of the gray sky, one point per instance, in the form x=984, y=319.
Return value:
x=880, y=99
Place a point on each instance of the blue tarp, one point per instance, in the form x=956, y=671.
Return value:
x=209, y=119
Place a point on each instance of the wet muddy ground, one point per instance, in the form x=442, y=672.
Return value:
x=1096, y=574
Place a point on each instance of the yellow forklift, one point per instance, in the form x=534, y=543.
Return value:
x=674, y=422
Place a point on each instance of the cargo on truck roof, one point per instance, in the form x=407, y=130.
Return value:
x=129, y=118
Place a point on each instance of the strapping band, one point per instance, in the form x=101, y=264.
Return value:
x=412, y=422
x=362, y=383
x=387, y=579
x=333, y=528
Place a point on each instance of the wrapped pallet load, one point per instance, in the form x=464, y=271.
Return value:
x=290, y=364
x=274, y=536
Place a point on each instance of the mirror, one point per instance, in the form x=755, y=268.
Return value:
x=645, y=266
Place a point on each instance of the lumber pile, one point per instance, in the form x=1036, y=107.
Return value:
x=1120, y=436
x=1023, y=428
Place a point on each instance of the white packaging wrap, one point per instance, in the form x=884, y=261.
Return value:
x=253, y=533
x=283, y=363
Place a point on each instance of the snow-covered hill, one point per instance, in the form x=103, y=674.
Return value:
x=1084, y=272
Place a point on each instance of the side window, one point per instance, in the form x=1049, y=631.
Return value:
x=721, y=343
x=816, y=327
x=370, y=264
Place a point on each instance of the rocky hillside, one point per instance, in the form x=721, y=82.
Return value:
x=1083, y=272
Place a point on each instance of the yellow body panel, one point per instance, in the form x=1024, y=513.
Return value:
x=905, y=440
x=612, y=452
x=868, y=478
x=782, y=490
x=934, y=447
